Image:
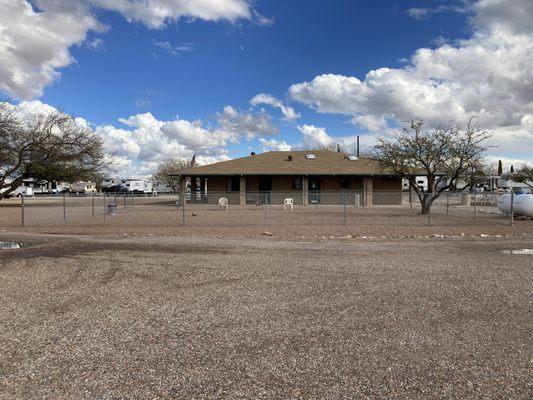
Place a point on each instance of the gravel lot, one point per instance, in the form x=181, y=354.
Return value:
x=114, y=317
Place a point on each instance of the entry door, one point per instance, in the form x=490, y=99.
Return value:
x=314, y=190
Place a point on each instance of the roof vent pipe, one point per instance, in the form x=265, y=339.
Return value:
x=357, y=145
x=289, y=158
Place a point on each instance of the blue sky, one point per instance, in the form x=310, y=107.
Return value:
x=229, y=64
x=174, y=79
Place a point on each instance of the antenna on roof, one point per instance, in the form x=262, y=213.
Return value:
x=357, y=146
x=338, y=148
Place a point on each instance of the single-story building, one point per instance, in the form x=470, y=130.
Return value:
x=309, y=177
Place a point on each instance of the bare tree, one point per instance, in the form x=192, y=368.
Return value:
x=50, y=146
x=167, y=171
x=523, y=175
x=444, y=155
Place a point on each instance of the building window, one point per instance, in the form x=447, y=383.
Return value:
x=345, y=183
x=297, y=183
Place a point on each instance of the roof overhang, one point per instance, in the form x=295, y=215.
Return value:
x=188, y=174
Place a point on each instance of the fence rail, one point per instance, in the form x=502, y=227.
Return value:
x=254, y=208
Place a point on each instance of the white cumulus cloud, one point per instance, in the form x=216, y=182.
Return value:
x=36, y=36
x=273, y=144
x=487, y=75
x=263, y=98
x=140, y=142
x=156, y=13
x=246, y=124
x=315, y=137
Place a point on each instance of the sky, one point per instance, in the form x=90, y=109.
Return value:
x=167, y=79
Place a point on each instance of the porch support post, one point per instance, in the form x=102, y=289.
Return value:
x=305, y=189
x=368, y=185
x=194, y=186
x=242, y=189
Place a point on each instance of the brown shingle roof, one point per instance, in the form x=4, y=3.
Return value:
x=277, y=163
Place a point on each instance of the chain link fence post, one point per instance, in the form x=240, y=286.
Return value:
x=344, y=206
x=475, y=205
x=92, y=204
x=448, y=203
x=125, y=194
x=105, y=211
x=183, y=203
x=64, y=207
x=512, y=208
x=429, y=205
x=265, y=208
x=22, y=216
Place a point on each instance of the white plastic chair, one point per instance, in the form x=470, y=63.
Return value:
x=223, y=203
x=288, y=202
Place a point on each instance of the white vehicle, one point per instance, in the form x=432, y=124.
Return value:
x=83, y=187
x=111, y=182
x=162, y=188
x=137, y=185
x=26, y=191
x=148, y=186
x=133, y=185
x=421, y=181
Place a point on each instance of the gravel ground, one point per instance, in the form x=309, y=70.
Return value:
x=88, y=317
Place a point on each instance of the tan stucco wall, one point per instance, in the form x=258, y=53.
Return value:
x=282, y=183
x=387, y=191
x=333, y=183
x=217, y=183
x=386, y=184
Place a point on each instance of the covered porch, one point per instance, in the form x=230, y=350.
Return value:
x=303, y=189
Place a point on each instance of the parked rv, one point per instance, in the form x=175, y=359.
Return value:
x=137, y=185
x=83, y=187
x=108, y=182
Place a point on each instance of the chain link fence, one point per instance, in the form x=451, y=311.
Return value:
x=255, y=209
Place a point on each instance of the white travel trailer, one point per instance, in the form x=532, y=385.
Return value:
x=421, y=181
x=83, y=187
x=148, y=186
x=133, y=185
x=137, y=185
x=162, y=188
x=111, y=182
